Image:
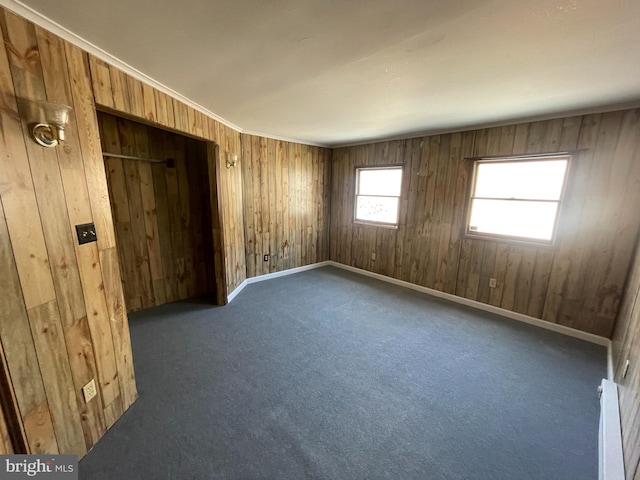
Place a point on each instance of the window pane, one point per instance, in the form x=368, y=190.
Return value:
x=377, y=209
x=379, y=181
x=535, y=180
x=513, y=218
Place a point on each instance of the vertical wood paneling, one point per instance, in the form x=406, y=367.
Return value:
x=213, y=164
x=133, y=98
x=231, y=200
x=43, y=315
x=53, y=358
x=159, y=213
x=119, y=326
x=14, y=439
x=18, y=196
x=55, y=329
x=63, y=311
x=626, y=346
x=20, y=353
x=286, y=195
x=578, y=282
x=66, y=275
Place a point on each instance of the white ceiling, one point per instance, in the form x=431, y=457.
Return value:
x=334, y=72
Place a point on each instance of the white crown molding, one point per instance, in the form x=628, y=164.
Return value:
x=66, y=34
x=284, y=139
x=41, y=20
x=576, y=112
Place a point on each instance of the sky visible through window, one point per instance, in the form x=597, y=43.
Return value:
x=378, y=194
x=517, y=198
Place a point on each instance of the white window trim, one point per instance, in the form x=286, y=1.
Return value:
x=356, y=195
x=509, y=238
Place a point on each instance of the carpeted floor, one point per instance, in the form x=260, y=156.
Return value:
x=327, y=374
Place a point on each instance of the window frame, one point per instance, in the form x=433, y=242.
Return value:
x=513, y=159
x=374, y=223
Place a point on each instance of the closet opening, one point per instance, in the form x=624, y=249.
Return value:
x=162, y=190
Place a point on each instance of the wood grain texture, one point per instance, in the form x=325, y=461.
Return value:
x=214, y=180
x=577, y=283
x=53, y=358
x=626, y=346
x=119, y=327
x=286, y=216
x=281, y=199
x=13, y=437
x=55, y=326
x=161, y=213
x=9, y=416
x=20, y=354
x=125, y=96
x=18, y=191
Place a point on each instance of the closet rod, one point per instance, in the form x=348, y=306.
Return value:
x=129, y=157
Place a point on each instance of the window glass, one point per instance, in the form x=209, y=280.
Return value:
x=518, y=199
x=538, y=180
x=378, y=195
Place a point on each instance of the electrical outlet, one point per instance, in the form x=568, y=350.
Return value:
x=266, y=258
x=493, y=283
x=373, y=256
x=626, y=369
x=89, y=390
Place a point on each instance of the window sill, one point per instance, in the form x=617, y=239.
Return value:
x=375, y=224
x=546, y=245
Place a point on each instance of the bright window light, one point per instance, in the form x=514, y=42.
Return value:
x=378, y=195
x=517, y=198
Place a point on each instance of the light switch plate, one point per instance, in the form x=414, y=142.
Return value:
x=86, y=233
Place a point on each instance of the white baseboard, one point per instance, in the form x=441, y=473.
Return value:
x=572, y=332
x=291, y=271
x=610, y=374
x=610, y=443
x=269, y=276
x=611, y=460
x=235, y=293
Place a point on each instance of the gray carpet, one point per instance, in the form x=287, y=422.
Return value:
x=327, y=374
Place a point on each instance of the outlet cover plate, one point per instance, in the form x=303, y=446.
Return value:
x=89, y=390
x=86, y=233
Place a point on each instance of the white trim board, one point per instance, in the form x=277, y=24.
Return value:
x=52, y=26
x=610, y=374
x=611, y=466
x=19, y=8
x=572, y=332
x=45, y=22
x=269, y=276
x=610, y=453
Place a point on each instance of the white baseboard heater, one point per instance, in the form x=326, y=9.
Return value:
x=610, y=438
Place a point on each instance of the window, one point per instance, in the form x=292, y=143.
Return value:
x=517, y=198
x=378, y=195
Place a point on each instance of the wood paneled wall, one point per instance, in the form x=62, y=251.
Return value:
x=286, y=204
x=626, y=346
x=577, y=283
x=62, y=316
x=122, y=94
x=65, y=302
x=62, y=311
x=162, y=214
